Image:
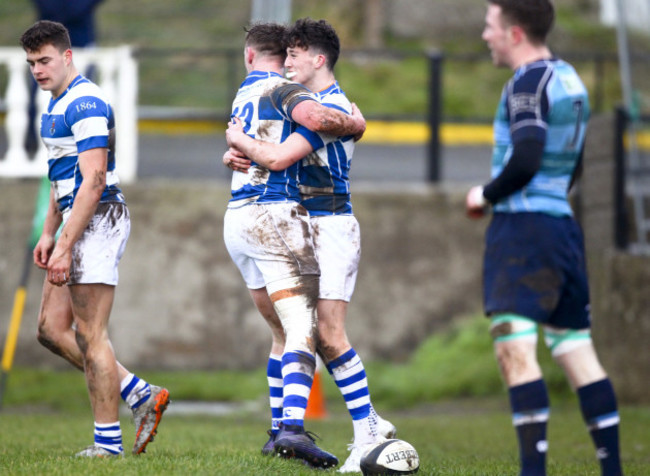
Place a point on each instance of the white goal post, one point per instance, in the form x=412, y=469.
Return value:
x=116, y=73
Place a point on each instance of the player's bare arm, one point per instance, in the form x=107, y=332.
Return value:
x=318, y=118
x=273, y=156
x=46, y=242
x=235, y=160
x=92, y=164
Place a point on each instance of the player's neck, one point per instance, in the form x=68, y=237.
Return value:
x=267, y=65
x=70, y=77
x=320, y=82
x=529, y=54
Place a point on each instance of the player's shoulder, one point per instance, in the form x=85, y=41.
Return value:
x=85, y=91
x=532, y=77
x=334, y=97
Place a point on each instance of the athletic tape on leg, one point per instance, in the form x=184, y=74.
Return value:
x=506, y=327
x=561, y=341
x=294, y=299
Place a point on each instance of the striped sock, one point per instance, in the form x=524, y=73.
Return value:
x=274, y=377
x=109, y=436
x=134, y=391
x=599, y=410
x=297, y=374
x=530, y=410
x=349, y=374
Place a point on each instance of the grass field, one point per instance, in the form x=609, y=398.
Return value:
x=469, y=437
x=447, y=400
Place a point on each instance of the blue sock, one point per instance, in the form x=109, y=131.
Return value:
x=134, y=391
x=109, y=436
x=350, y=376
x=530, y=410
x=599, y=410
x=274, y=377
x=348, y=372
x=298, y=369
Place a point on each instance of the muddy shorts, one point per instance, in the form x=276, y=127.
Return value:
x=535, y=267
x=270, y=241
x=338, y=248
x=96, y=254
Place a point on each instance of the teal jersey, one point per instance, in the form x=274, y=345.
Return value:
x=545, y=101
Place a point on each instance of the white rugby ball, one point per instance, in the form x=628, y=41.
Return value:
x=390, y=457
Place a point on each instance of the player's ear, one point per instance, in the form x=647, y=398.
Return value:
x=517, y=34
x=320, y=61
x=249, y=54
x=67, y=56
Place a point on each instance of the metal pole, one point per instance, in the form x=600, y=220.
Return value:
x=621, y=230
x=277, y=11
x=435, y=115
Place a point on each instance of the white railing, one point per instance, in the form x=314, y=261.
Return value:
x=117, y=75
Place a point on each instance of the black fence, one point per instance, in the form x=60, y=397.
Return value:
x=631, y=183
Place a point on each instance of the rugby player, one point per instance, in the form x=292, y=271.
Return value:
x=534, y=264
x=268, y=234
x=313, y=50
x=78, y=130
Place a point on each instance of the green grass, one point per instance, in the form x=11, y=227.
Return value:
x=448, y=401
x=463, y=438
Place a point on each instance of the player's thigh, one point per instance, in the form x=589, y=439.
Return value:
x=55, y=314
x=515, y=346
x=91, y=307
x=97, y=253
x=574, y=351
x=337, y=241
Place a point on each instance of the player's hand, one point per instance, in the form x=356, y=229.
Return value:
x=43, y=250
x=475, y=203
x=235, y=160
x=356, y=114
x=235, y=127
x=58, y=267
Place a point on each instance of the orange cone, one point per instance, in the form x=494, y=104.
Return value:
x=316, y=404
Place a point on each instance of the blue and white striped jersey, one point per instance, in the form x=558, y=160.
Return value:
x=80, y=119
x=546, y=101
x=264, y=103
x=325, y=173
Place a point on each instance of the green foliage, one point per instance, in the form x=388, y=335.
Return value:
x=457, y=363
x=190, y=56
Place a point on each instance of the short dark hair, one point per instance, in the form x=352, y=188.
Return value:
x=45, y=32
x=535, y=17
x=267, y=38
x=319, y=35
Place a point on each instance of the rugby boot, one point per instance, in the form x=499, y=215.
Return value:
x=386, y=428
x=147, y=417
x=268, y=448
x=292, y=441
x=94, y=451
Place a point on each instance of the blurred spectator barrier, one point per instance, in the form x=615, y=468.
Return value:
x=117, y=75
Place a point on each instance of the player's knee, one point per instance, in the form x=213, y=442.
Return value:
x=47, y=339
x=562, y=341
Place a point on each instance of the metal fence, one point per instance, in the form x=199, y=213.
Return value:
x=632, y=183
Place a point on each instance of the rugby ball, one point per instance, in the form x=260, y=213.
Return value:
x=390, y=457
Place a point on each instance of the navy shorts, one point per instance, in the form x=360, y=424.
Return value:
x=534, y=266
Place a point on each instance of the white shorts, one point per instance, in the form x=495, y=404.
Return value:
x=338, y=248
x=98, y=251
x=270, y=241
